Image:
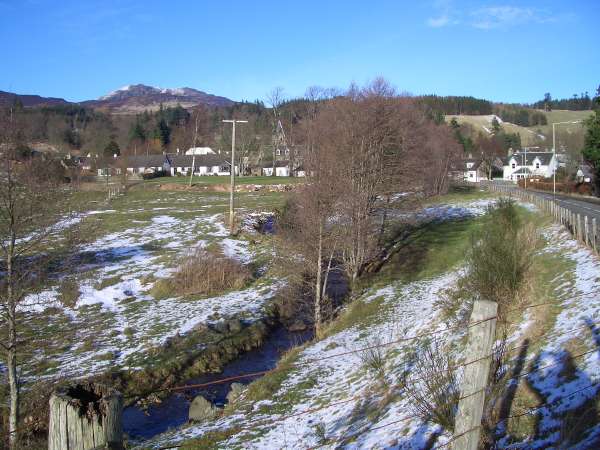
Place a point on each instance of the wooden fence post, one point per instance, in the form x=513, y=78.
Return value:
x=586, y=230
x=594, y=234
x=85, y=416
x=482, y=334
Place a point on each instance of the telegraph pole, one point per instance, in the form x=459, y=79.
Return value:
x=232, y=186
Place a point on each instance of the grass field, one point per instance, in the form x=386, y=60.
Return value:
x=106, y=303
x=530, y=135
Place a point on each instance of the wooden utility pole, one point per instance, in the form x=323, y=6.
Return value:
x=232, y=186
x=193, y=167
x=482, y=333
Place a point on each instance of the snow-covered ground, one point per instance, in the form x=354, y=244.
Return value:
x=116, y=319
x=330, y=399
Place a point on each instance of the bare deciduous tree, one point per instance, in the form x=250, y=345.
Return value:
x=33, y=210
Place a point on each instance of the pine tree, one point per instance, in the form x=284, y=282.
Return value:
x=591, y=148
x=496, y=126
x=111, y=149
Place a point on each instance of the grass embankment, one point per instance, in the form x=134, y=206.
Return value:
x=430, y=251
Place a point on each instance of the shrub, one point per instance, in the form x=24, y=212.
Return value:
x=501, y=255
x=68, y=292
x=205, y=273
x=434, y=388
x=373, y=357
x=157, y=174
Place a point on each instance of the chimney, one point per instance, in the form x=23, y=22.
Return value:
x=510, y=151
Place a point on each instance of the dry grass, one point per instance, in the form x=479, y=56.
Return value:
x=434, y=389
x=204, y=273
x=68, y=292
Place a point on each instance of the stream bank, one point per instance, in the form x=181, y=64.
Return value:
x=172, y=411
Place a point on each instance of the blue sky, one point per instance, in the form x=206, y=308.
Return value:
x=501, y=50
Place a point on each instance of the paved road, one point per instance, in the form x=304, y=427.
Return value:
x=584, y=207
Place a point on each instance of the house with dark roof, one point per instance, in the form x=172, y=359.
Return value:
x=524, y=164
x=473, y=170
x=172, y=164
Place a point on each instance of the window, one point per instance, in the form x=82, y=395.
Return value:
x=513, y=165
x=470, y=174
x=537, y=165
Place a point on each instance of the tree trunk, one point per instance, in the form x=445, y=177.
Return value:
x=318, y=284
x=11, y=356
x=13, y=383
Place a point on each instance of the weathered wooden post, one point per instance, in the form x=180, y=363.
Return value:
x=85, y=416
x=594, y=232
x=578, y=226
x=482, y=334
x=586, y=230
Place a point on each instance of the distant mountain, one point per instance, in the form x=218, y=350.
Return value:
x=8, y=98
x=139, y=97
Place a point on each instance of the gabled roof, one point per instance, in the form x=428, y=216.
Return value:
x=522, y=171
x=475, y=166
x=277, y=164
x=200, y=161
x=143, y=160
x=526, y=159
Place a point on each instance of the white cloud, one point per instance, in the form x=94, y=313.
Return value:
x=486, y=18
x=507, y=16
x=437, y=22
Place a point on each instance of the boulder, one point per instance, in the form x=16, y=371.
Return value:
x=221, y=326
x=237, y=389
x=202, y=410
x=298, y=325
x=235, y=325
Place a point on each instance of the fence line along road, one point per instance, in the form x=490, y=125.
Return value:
x=580, y=220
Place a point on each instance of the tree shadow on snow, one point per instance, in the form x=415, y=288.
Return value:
x=570, y=416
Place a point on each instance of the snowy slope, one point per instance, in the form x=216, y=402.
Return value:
x=331, y=400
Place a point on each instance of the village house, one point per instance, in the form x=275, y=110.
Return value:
x=473, y=170
x=524, y=164
x=171, y=164
x=283, y=169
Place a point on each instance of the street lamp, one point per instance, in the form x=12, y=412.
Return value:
x=554, y=152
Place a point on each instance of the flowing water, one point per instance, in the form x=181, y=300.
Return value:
x=173, y=411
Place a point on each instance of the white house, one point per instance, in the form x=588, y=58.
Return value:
x=473, y=170
x=282, y=169
x=202, y=165
x=523, y=164
x=200, y=151
x=171, y=164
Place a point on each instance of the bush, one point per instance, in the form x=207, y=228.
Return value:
x=373, y=357
x=68, y=292
x=501, y=255
x=157, y=174
x=205, y=273
x=434, y=388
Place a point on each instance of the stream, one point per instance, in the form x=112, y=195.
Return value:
x=173, y=411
